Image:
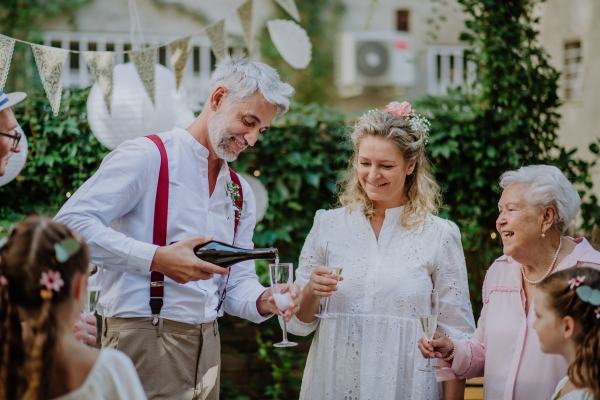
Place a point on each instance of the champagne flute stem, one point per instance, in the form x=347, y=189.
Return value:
x=428, y=359
x=326, y=311
x=284, y=329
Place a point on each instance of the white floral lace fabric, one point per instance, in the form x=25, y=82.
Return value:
x=51, y=63
x=370, y=350
x=145, y=64
x=102, y=65
x=216, y=35
x=7, y=46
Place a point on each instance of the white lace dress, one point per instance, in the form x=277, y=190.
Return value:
x=370, y=350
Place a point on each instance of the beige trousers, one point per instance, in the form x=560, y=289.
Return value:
x=174, y=360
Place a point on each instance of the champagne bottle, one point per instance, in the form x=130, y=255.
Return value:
x=225, y=255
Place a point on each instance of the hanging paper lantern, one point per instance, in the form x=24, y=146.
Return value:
x=260, y=195
x=133, y=114
x=16, y=162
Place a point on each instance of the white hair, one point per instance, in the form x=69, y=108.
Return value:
x=547, y=185
x=243, y=77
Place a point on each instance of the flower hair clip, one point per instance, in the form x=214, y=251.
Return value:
x=3, y=281
x=53, y=282
x=597, y=311
x=575, y=282
x=417, y=122
x=66, y=248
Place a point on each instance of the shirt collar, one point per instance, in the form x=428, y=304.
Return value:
x=199, y=149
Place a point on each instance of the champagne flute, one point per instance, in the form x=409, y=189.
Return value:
x=93, y=289
x=428, y=307
x=333, y=250
x=282, y=278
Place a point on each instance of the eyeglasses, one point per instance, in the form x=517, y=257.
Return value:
x=16, y=137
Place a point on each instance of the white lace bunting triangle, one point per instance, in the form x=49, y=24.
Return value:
x=216, y=35
x=7, y=46
x=290, y=7
x=51, y=63
x=102, y=65
x=180, y=54
x=244, y=12
x=145, y=64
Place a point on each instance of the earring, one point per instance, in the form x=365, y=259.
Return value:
x=543, y=235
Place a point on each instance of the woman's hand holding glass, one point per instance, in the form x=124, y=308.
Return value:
x=438, y=347
x=323, y=282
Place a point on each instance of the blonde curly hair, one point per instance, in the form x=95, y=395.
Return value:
x=422, y=191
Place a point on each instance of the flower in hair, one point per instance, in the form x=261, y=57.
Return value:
x=66, y=248
x=3, y=280
x=52, y=280
x=403, y=109
x=575, y=282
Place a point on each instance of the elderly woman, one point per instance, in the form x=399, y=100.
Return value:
x=391, y=247
x=537, y=205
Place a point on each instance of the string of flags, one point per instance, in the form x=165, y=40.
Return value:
x=289, y=38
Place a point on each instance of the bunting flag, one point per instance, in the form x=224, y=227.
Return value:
x=244, y=12
x=180, y=53
x=102, y=65
x=51, y=63
x=290, y=7
x=216, y=35
x=6, y=50
x=291, y=41
x=145, y=62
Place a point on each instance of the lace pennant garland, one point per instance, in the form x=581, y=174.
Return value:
x=51, y=62
x=145, y=62
x=216, y=34
x=291, y=41
x=244, y=12
x=6, y=50
x=290, y=7
x=180, y=53
x=102, y=64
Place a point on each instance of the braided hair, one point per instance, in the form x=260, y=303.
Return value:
x=27, y=357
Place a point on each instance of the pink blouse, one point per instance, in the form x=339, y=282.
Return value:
x=505, y=348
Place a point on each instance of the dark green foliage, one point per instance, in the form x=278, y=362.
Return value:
x=507, y=120
x=63, y=153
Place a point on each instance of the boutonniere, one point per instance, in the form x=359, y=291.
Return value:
x=233, y=190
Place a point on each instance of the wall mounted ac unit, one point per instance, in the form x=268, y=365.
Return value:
x=375, y=58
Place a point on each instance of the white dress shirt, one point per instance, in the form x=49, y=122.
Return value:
x=114, y=212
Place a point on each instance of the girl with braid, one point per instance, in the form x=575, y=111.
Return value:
x=567, y=307
x=43, y=286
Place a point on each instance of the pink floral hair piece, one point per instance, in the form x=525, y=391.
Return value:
x=3, y=280
x=597, y=311
x=575, y=282
x=52, y=280
x=403, y=109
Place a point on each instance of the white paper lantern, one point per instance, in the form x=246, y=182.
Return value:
x=260, y=194
x=16, y=162
x=132, y=112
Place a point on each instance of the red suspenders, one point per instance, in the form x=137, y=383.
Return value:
x=159, y=236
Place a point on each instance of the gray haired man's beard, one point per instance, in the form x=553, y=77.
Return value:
x=220, y=136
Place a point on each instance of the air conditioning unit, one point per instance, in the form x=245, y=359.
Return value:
x=375, y=58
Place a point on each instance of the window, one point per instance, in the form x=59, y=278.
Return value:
x=196, y=59
x=402, y=20
x=126, y=47
x=573, y=70
x=162, y=56
x=74, y=57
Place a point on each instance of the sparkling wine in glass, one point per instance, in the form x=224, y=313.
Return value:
x=282, y=278
x=335, y=258
x=428, y=309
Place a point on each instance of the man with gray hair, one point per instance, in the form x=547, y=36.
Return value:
x=159, y=302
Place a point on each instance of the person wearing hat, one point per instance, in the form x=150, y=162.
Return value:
x=86, y=327
x=9, y=138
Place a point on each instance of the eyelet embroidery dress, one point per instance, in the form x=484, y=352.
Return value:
x=370, y=350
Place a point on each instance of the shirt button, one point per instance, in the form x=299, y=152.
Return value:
x=138, y=270
x=204, y=174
